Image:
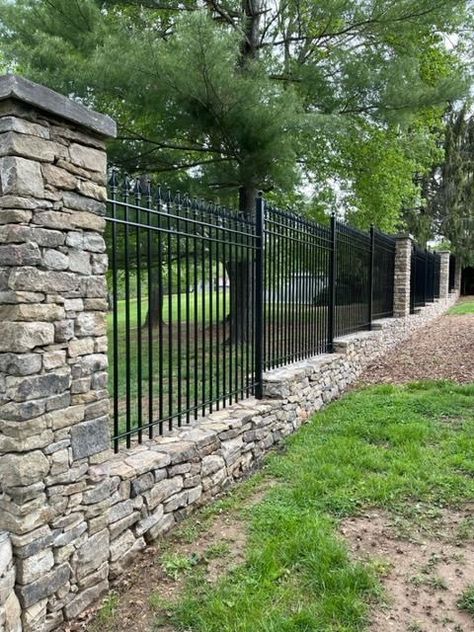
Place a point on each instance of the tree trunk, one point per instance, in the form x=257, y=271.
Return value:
x=155, y=309
x=241, y=272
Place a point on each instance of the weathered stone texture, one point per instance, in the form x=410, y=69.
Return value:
x=53, y=363
x=10, y=611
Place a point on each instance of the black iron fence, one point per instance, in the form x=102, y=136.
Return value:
x=425, y=277
x=203, y=300
x=452, y=272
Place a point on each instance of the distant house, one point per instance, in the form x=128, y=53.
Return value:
x=301, y=287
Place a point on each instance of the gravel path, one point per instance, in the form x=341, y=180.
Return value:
x=444, y=349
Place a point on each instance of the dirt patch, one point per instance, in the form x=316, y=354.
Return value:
x=443, y=350
x=424, y=571
x=204, y=546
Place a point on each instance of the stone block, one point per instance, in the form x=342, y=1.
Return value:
x=21, y=337
x=163, y=490
x=90, y=437
x=90, y=555
x=91, y=324
x=23, y=469
x=88, y=158
x=85, y=598
x=32, y=568
x=20, y=255
x=19, y=176
x=46, y=585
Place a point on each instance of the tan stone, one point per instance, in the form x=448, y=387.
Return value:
x=59, y=178
x=47, y=312
x=21, y=337
x=88, y=158
x=19, y=176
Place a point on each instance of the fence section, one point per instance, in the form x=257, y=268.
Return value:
x=297, y=289
x=203, y=300
x=353, y=280
x=452, y=272
x=383, y=275
x=182, y=297
x=425, y=277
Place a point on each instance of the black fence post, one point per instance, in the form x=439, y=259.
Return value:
x=371, y=275
x=332, y=285
x=259, y=290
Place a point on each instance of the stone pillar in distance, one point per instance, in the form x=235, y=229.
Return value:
x=444, y=274
x=401, y=288
x=53, y=344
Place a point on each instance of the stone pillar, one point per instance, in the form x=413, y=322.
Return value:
x=401, y=288
x=53, y=344
x=444, y=274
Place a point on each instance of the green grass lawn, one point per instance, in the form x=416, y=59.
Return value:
x=389, y=447
x=463, y=307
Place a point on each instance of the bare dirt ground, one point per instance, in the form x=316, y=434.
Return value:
x=424, y=570
x=444, y=349
x=204, y=547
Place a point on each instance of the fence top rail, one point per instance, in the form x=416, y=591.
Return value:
x=141, y=195
x=130, y=191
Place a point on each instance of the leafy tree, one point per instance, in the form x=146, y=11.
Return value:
x=246, y=94
x=452, y=201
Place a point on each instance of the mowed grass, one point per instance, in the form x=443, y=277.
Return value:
x=388, y=447
x=463, y=307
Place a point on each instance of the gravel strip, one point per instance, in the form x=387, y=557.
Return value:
x=443, y=350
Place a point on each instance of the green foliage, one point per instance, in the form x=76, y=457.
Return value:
x=385, y=447
x=466, y=307
x=338, y=101
x=466, y=601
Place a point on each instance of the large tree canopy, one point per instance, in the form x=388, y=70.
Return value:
x=306, y=99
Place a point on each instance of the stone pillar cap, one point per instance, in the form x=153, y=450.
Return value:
x=26, y=91
x=404, y=236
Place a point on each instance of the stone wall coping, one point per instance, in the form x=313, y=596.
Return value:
x=26, y=91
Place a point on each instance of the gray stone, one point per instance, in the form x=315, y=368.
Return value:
x=22, y=234
x=47, y=585
x=88, y=158
x=12, y=614
x=15, y=124
x=31, y=279
x=163, y=490
x=78, y=202
x=32, y=568
x=5, y=552
x=19, y=176
x=142, y=484
x=20, y=254
x=21, y=337
x=90, y=555
x=55, y=260
x=23, y=469
x=91, y=324
x=25, y=364
x=20, y=389
x=85, y=598
x=42, y=98
x=149, y=522
x=89, y=437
